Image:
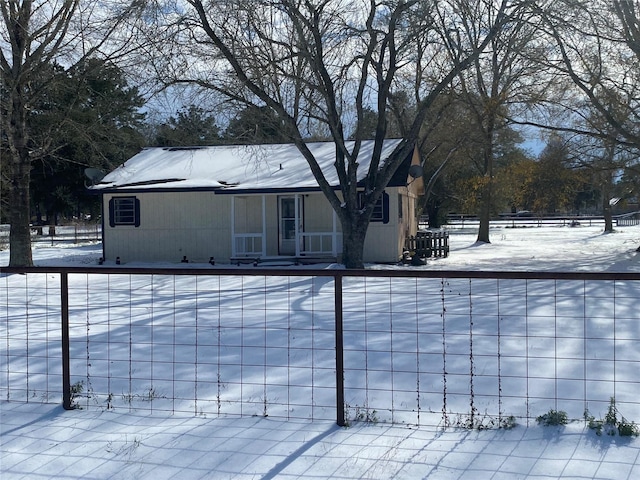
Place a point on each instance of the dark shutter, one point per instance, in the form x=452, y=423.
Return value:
x=385, y=207
x=112, y=222
x=137, y=213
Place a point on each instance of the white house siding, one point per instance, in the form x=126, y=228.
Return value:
x=172, y=225
x=318, y=214
x=248, y=214
x=409, y=222
x=198, y=225
x=385, y=242
x=382, y=238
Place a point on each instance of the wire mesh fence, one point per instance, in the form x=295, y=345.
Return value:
x=478, y=351
x=78, y=232
x=206, y=345
x=415, y=347
x=30, y=336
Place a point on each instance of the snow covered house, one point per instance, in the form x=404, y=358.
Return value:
x=243, y=202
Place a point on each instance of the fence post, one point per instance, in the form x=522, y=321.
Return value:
x=64, y=312
x=340, y=420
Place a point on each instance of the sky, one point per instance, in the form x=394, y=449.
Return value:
x=44, y=441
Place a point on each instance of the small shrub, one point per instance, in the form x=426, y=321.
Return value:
x=508, y=423
x=611, y=425
x=592, y=423
x=360, y=414
x=626, y=429
x=552, y=418
x=109, y=401
x=484, y=422
x=75, y=390
x=611, y=418
x=366, y=415
x=149, y=395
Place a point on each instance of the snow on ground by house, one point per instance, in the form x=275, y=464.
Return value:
x=553, y=248
x=44, y=441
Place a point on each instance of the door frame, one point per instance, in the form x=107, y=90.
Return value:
x=291, y=243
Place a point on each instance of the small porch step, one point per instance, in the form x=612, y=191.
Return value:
x=313, y=259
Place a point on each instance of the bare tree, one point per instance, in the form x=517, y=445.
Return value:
x=605, y=157
x=595, y=44
x=502, y=83
x=34, y=37
x=328, y=63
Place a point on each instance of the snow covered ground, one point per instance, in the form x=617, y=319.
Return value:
x=44, y=441
x=552, y=248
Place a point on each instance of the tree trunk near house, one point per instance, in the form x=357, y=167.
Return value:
x=37, y=38
x=433, y=212
x=353, y=237
x=606, y=204
x=20, y=176
x=20, y=233
x=487, y=188
x=608, y=219
x=485, y=215
x=19, y=217
x=52, y=221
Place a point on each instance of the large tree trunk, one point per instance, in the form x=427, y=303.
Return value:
x=487, y=189
x=52, y=221
x=606, y=204
x=353, y=236
x=485, y=214
x=20, y=175
x=19, y=217
x=433, y=211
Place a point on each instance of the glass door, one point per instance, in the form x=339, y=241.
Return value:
x=290, y=224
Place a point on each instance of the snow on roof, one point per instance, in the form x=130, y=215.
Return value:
x=232, y=168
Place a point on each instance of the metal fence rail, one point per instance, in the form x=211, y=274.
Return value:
x=462, y=221
x=515, y=221
x=59, y=234
x=401, y=346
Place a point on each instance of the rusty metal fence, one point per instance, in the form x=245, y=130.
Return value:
x=403, y=346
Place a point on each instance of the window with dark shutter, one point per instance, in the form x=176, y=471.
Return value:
x=380, y=209
x=124, y=211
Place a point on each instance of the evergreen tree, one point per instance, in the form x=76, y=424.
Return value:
x=89, y=118
x=191, y=126
x=36, y=37
x=257, y=125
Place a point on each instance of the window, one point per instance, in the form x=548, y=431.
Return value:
x=124, y=211
x=381, y=208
